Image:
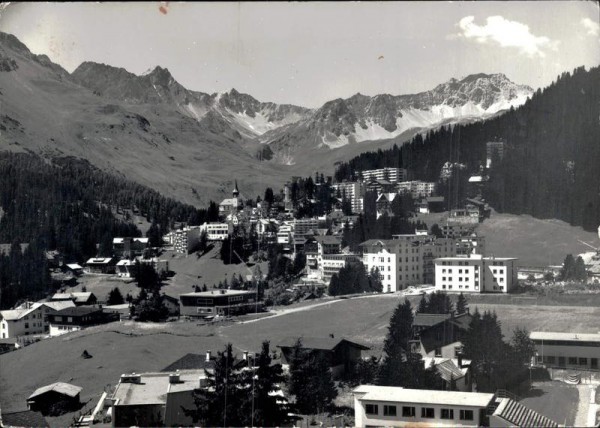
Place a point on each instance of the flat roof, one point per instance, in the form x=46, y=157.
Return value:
x=218, y=292
x=500, y=259
x=402, y=395
x=553, y=335
x=154, y=387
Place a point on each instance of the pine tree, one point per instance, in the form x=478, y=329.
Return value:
x=269, y=410
x=310, y=380
x=115, y=297
x=422, y=309
x=462, y=306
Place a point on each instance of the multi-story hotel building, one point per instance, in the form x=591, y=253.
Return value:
x=399, y=261
x=393, y=175
x=475, y=274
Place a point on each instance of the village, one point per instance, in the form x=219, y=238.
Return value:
x=316, y=243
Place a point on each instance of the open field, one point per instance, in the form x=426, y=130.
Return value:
x=125, y=347
x=207, y=269
x=535, y=242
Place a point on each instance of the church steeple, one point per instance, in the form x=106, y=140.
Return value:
x=236, y=192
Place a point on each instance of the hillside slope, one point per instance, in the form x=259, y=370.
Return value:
x=192, y=145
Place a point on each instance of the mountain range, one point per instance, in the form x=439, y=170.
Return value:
x=192, y=145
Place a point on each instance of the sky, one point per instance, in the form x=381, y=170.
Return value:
x=310, y=53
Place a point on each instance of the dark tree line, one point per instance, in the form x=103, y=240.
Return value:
x=496, y=364
x=353, y=278
x=549, y=169
x=367, y=227
x=67, y=204
x=236, y=395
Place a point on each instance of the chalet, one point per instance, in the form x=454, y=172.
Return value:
x=79, y=298
x=343, y=354
x=129, y=247
x=171, y=303
x=74, y=268
x=59, y=394
x=125, y=268
x=29, y=319
x=218, y=302
x=78, y=318
x=101, y=265
x=442, y=337
x=454, y=372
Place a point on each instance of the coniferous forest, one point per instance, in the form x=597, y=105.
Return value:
x=550, y=169
x=68, y=205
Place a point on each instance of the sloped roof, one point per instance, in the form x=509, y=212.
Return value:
x=15, y=314
x=60, y=387
x=448, y=370
x=78, y=311
x=190, y=362
x=320, y=343
x=518, y=415
x=78, y=296
x=428, y=320
x=74, y=266
x=60, y=304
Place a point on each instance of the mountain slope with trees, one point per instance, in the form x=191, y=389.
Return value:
x=549, y=169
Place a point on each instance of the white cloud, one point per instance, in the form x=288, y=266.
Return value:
x=505, y=33
x=592, y=27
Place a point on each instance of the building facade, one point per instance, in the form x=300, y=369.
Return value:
x=218, y=302
x=353, y=191
x=417, y=189
x=567, y=350
x=29, y=319
x=393, y=175
x=398, y=407
x=399, y=262
x=475, y=274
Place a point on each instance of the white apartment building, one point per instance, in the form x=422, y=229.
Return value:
x=354, y=192
x=217, y=231
x=398, y=407
x=475, y=274
x=400, y=261
x=303, y=225
x=393, y=175
x=285, y=233
x=417, y=189
x=29, y=318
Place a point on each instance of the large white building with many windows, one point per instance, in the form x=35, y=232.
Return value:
x=393, y=175
x=353, y=191
x=475, y=274
x=391, y=406
x=399, y=261
x=395, y=406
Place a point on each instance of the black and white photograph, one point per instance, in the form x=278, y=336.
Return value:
x=300, y=214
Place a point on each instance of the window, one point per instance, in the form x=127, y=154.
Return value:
x=583, y=361
x=389, y=410
x=428, y=412
x=447, y=414
x=466, y=415
x=372, y=409
x=70, y=319
x=26, y=325
x=549, y=359
x=573, y=360
x=408, y=412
